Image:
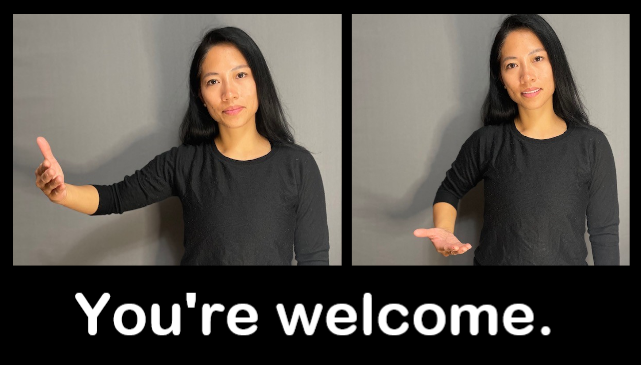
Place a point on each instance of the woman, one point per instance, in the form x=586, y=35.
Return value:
x=250, y=194
x=545, y=168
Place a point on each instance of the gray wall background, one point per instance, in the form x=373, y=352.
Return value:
x=418, y=82
x=109, y=91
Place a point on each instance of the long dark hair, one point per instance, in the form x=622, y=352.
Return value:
x=499, y=108
x=199, y=127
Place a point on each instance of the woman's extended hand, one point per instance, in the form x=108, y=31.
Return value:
x=49, y=176
x=444, y=242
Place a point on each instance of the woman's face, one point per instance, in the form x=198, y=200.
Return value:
x=526, y=70
x=227, y=87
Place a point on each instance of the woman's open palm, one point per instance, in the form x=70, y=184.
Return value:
x=445, y=242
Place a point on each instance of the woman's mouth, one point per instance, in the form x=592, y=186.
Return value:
x=530, y=93
x=233, y=110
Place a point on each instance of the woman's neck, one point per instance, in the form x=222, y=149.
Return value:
x=242, y=144
x=539, y=124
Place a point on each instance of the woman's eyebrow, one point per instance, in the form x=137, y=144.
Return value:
x=512, y=57
x=233, y=69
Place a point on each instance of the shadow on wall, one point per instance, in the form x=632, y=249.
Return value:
x=116, y=238
x=123, y=233
x=469, y=219
x=392, y=215
x=120, y=235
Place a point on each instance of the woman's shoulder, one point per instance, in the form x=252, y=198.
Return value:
x=489, y=132
x=588, y=131
x=293, y=150
x=184, y=149
x=590, y=135
x=295, y=156
x=181, y=153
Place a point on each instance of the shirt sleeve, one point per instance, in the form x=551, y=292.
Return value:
x=151, y=184
x=311, y=241
x=603, y=208
x=464, y=174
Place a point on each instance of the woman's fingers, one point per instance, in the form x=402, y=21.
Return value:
x=44, y=177
x=459, y=249
x=49, y=176
x=424, y=232
x=456, y=250
x=44, y=165
x=54, y=183
x=45, y=149
x=55, y=189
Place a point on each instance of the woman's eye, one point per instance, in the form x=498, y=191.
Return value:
x=242, y=74
x=211, y=82
x=510, y=65
x=538, y=58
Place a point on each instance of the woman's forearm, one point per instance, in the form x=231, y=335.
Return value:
x=83, y=199
x=444, y=216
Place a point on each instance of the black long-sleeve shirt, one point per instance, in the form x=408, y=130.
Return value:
x=256, y=212
x=538, y=194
